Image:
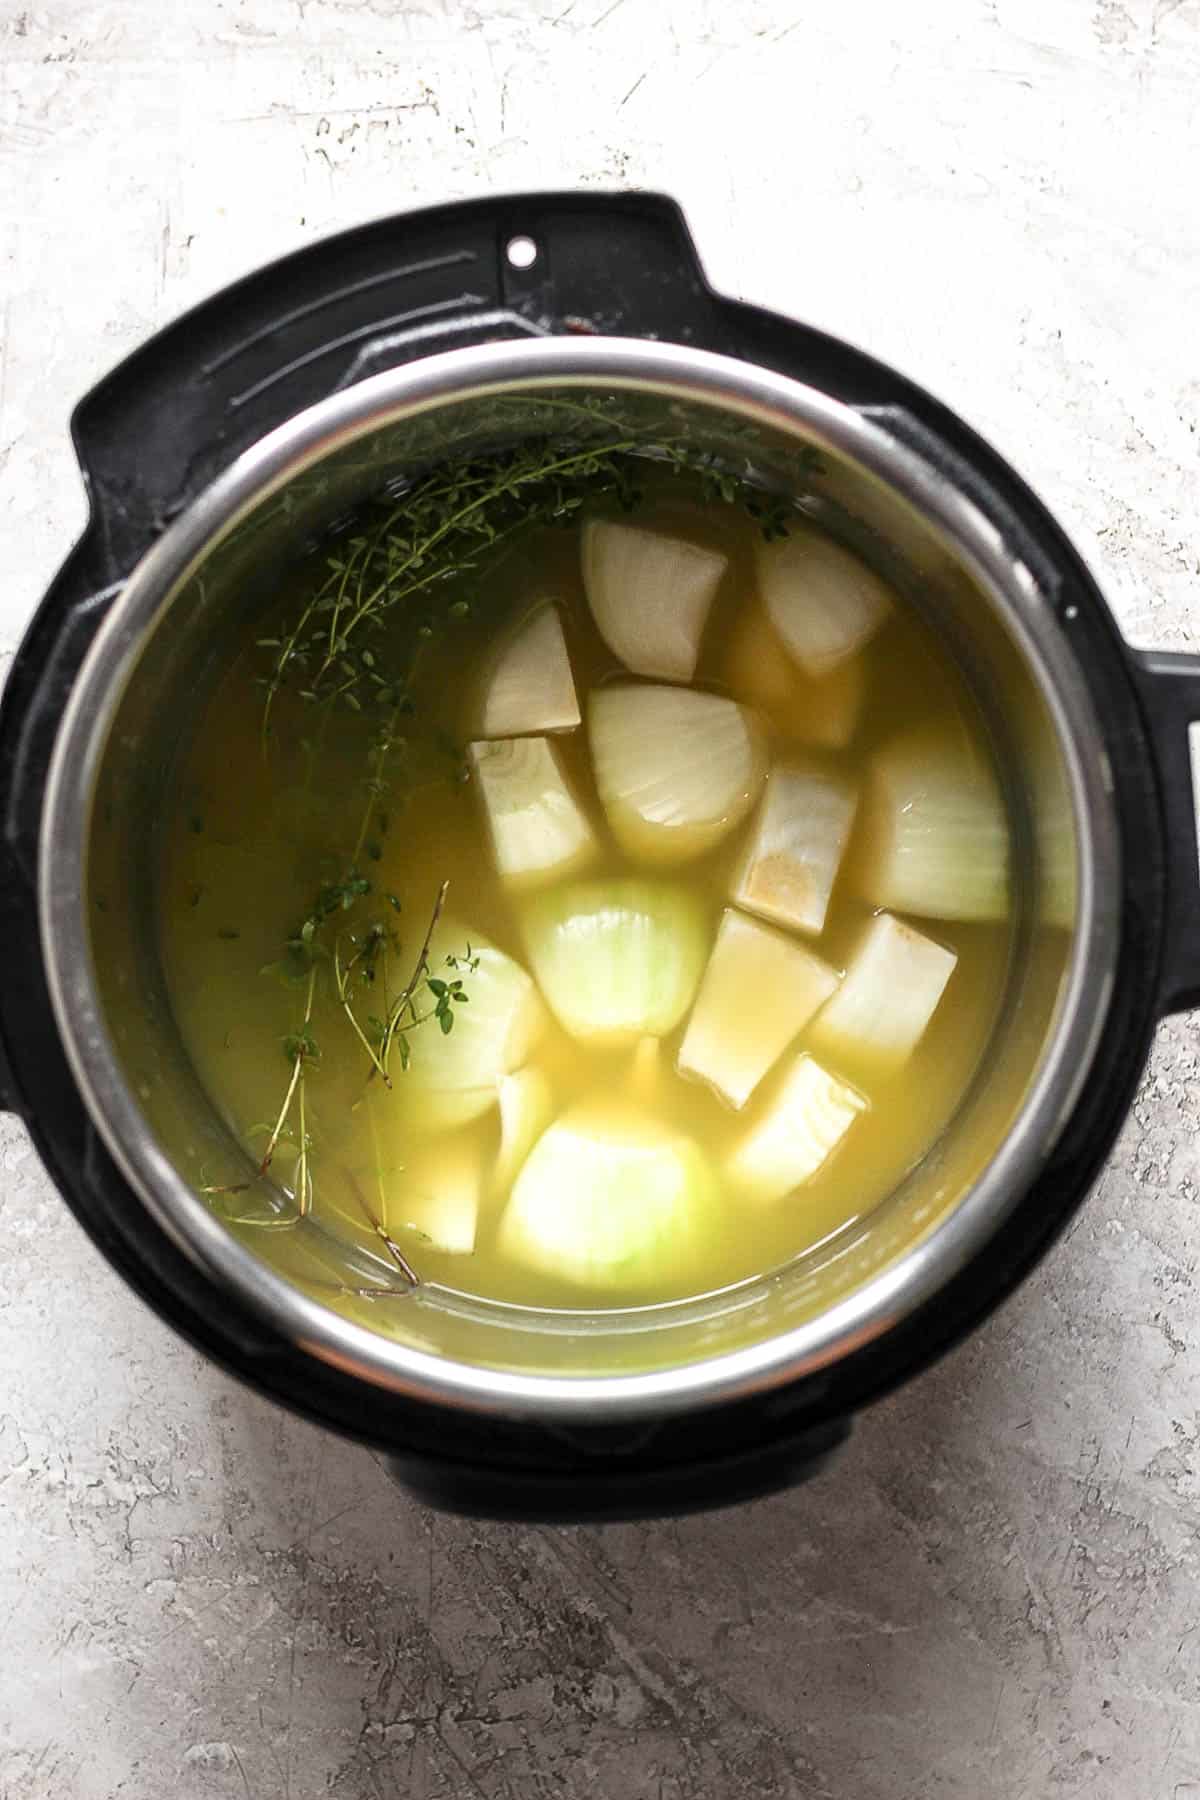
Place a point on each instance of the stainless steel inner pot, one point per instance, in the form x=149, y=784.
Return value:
x=169, y=635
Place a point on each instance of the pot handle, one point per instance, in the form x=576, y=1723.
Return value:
x=178, y=411
x=35, y=693
x=1169, y=682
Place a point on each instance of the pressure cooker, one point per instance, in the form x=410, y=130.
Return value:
x=263, y=417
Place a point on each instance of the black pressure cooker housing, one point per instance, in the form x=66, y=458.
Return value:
x=172, y=417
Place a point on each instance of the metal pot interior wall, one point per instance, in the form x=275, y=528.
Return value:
x=191, y=644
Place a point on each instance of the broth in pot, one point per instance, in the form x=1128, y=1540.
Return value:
x=589, y=887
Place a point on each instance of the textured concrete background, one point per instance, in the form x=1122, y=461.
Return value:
x=995, y=1595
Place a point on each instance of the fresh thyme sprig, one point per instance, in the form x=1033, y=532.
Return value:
x=394, y=1019
x=438, y=533
x=300, y=1048
x=389, y=1243
x=401, y=1015
x=364, y=960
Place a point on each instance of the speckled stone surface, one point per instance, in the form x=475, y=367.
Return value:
x=996, y=1595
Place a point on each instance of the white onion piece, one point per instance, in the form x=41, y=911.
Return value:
x=891, y=990
x=617, y=959
x=805, y=1122
x=528, y=686
x=526, y=1108
x=609, y=1198
x=453, y=1077
x=758, y=992
x=936, y=837
x=538, y=829
x=796, y=849
x=676, y=770
x=650, y=596
x=823, y=711
x=824, y=601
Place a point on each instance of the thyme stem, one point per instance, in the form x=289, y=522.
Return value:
x=377, y=1226
x=396, y=1013
x=341, y=978
x=503, y=485
x=298, y=1059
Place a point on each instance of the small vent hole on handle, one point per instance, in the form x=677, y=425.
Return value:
x=521, y=252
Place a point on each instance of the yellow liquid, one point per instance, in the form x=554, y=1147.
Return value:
x=253, y=835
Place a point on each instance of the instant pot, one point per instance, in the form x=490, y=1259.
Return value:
x=258, y=421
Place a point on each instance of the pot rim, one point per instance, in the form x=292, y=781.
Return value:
x=738, y=388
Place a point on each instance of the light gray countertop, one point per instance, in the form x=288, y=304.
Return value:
x=995, y=1595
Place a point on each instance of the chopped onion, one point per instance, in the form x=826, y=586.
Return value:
x=805, y=1122
x=891, y=989
x=437, y=1194
x=453, y=1077
x=537, y=826
x=823, y=711
x=824, y=601
x=758, y=992
x=796, y=849
x=526, y=1107
x=528, y=686
x=650, y=596
x=611, y=1199
x=936, y=837
x=676, y=769
x=617, y=959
